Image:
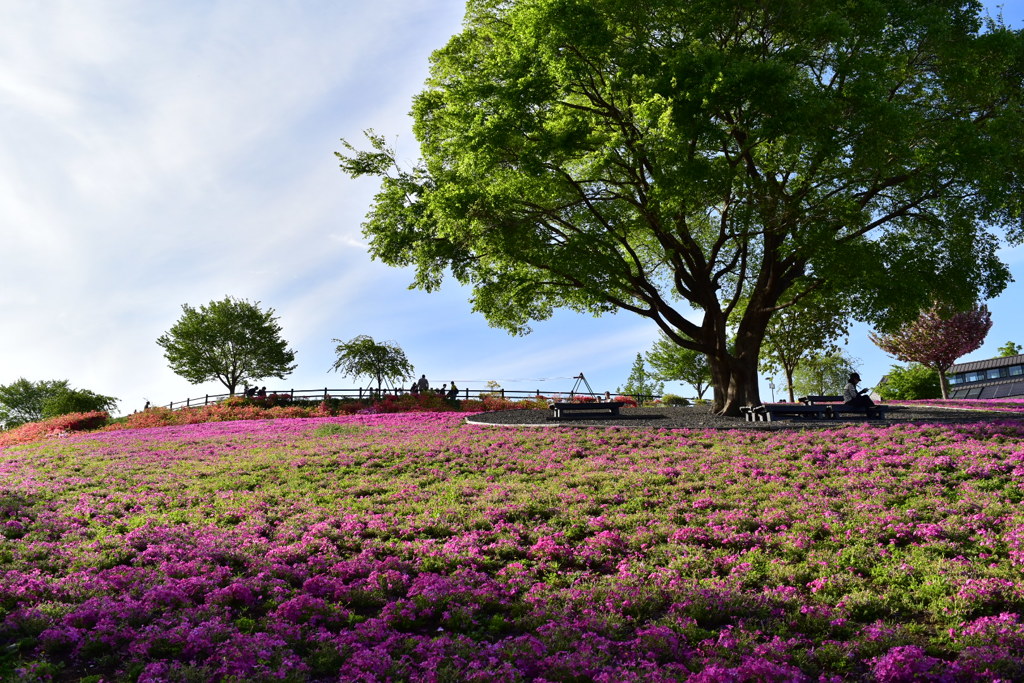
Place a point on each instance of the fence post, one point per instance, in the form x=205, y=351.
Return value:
x=503, y=392
x=293, y=393
x=325, y=393
x=207, y=400
x=171, y=407
x=360, y=393
x=187, y=402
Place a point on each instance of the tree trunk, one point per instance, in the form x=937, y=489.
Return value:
x=789, y=383
x=942, y=382
x=735, y=382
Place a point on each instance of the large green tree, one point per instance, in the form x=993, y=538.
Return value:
x=23, y=401
x=729, y=157
x=231, y=341
x=384, y=362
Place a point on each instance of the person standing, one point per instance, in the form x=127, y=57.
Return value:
x=423, y=384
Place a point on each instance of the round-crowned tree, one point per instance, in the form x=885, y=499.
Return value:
x=937, y=338
x=384, y=362
x=231, y=341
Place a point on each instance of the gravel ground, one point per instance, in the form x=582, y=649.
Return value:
x=702, y=418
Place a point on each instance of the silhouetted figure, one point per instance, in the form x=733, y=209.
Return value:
x=852, y=396
x=443, y=390
x=423, y=384
x=146, y=407
x=453, y=392
x=415, y=389
x=262, y=393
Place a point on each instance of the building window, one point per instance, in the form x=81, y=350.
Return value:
x=993, y=373
x=1016, y=370
x=955, y=379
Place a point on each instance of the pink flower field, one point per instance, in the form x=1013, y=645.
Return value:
x=414, y=547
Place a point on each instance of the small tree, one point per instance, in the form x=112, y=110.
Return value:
x=823, y=373
x=230, y=341
x=800, y=331
x=674, y=363
x=1010, y=349
x=641, y=383
x=937, y=338
x=384, y=362
x=24, y=401
x=909, y=383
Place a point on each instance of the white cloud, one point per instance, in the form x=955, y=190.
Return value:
x=155, y=154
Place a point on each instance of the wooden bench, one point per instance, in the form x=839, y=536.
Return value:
x=773, y=411
x=876, y=411
x=605, y=408
x=837, y=407
x=811, y=400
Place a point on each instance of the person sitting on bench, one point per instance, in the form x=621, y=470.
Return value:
x=852, y=396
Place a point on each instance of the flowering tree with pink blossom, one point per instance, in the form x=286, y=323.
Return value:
x=936, y=339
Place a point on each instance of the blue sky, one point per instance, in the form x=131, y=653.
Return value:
x=156, y=154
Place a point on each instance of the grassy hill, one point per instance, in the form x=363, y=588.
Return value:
x=415, y=547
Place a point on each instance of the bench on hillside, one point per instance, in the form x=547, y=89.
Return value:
x=558, y=410
x=773, y=411
x=811, y=400
x=876, y=411
x=837, y=407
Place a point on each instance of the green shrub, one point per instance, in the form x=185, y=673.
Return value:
x=914, y=381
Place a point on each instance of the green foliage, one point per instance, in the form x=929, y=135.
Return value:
x=1010, y=349
x=77, y=401
x=385, y=362
x=674, y=363
x=641, y=382
x=823, y=374
x=910, y=382
x=24, y=401
x=231, y=341
x=808, y=327
x=673, y=400
x=655, y=158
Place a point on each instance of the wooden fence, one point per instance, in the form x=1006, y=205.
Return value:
x=364, y=393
